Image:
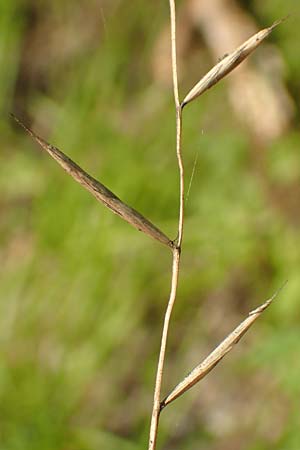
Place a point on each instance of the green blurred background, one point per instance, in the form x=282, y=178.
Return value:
x=83, y=294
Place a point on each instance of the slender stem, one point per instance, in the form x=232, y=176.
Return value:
x=178, y=120
x=181, y=175
x=176, y=250
x=174, y=49
x=161, y=360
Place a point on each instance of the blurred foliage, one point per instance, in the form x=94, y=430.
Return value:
x=83, y=294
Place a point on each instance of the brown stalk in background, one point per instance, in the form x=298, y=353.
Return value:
x=137, y=220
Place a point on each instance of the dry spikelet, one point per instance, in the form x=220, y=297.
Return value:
x=228, y=63
x=218, y=354
x=99, y=191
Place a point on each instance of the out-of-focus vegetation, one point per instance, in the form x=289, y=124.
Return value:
x=83, y=294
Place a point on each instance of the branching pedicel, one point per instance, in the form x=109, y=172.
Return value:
x=137, y=220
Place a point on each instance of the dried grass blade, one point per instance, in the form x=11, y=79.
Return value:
x=228, y=63
x=99, y=191
x=216, y=355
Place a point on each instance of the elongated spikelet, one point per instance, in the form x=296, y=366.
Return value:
x=228, y=63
